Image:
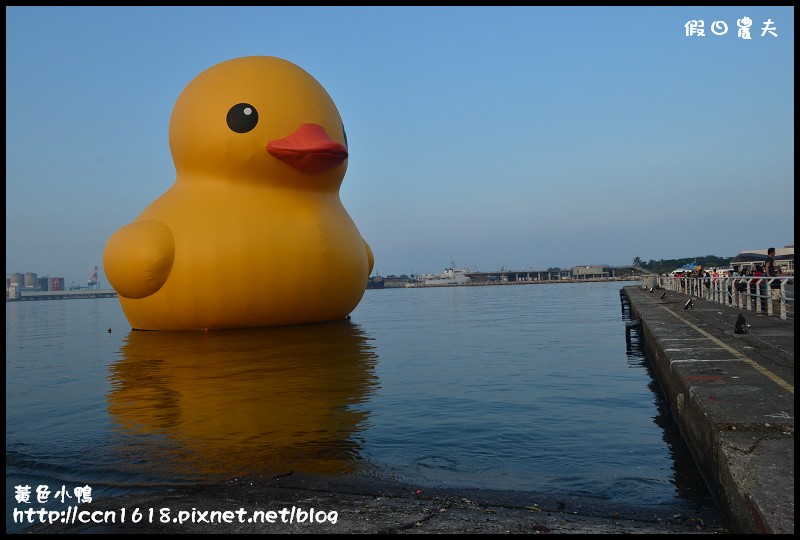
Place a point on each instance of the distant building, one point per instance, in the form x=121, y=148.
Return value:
x=591, y=272
x=55, y=284
x=13, y=292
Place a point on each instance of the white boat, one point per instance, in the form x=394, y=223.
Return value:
x=450, y=276
x=684, y=270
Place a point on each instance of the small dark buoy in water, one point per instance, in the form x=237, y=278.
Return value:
x=109, y=330
x=689, y=304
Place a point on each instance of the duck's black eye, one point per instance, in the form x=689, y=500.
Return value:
x=242, y=118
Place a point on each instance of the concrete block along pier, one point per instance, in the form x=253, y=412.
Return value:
x=732, y=395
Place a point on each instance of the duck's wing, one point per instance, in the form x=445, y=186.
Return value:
x=138, y=258
x=370, y=257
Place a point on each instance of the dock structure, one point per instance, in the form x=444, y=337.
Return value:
x=63, y=295
x=558, y=275
x=728, y=376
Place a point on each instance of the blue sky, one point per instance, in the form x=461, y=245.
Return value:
x=516, y=137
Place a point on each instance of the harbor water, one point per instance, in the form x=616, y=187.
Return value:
x=534, y=387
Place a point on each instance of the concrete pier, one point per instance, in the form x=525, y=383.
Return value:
x=732, y=395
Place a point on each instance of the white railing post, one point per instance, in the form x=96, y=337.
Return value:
x=758, y=295
x=784, y=315
x=768, y=297
x=749, y=296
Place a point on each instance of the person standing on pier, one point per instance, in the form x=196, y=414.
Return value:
x=772, y=271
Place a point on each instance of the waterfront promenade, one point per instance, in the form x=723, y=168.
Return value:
x=732, y=395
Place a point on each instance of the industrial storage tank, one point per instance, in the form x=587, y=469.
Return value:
x=31, y=280
x=16, y=279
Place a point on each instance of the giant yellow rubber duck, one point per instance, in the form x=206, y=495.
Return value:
x=253, y=232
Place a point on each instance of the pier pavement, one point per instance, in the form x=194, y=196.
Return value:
x=732, y=395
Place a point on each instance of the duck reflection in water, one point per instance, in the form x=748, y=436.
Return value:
x=243, y=403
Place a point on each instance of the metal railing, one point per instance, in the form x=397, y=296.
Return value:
x=755, y=294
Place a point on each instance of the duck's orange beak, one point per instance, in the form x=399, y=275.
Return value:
x=309, y=149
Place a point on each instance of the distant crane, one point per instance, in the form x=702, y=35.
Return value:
x=93, y=279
